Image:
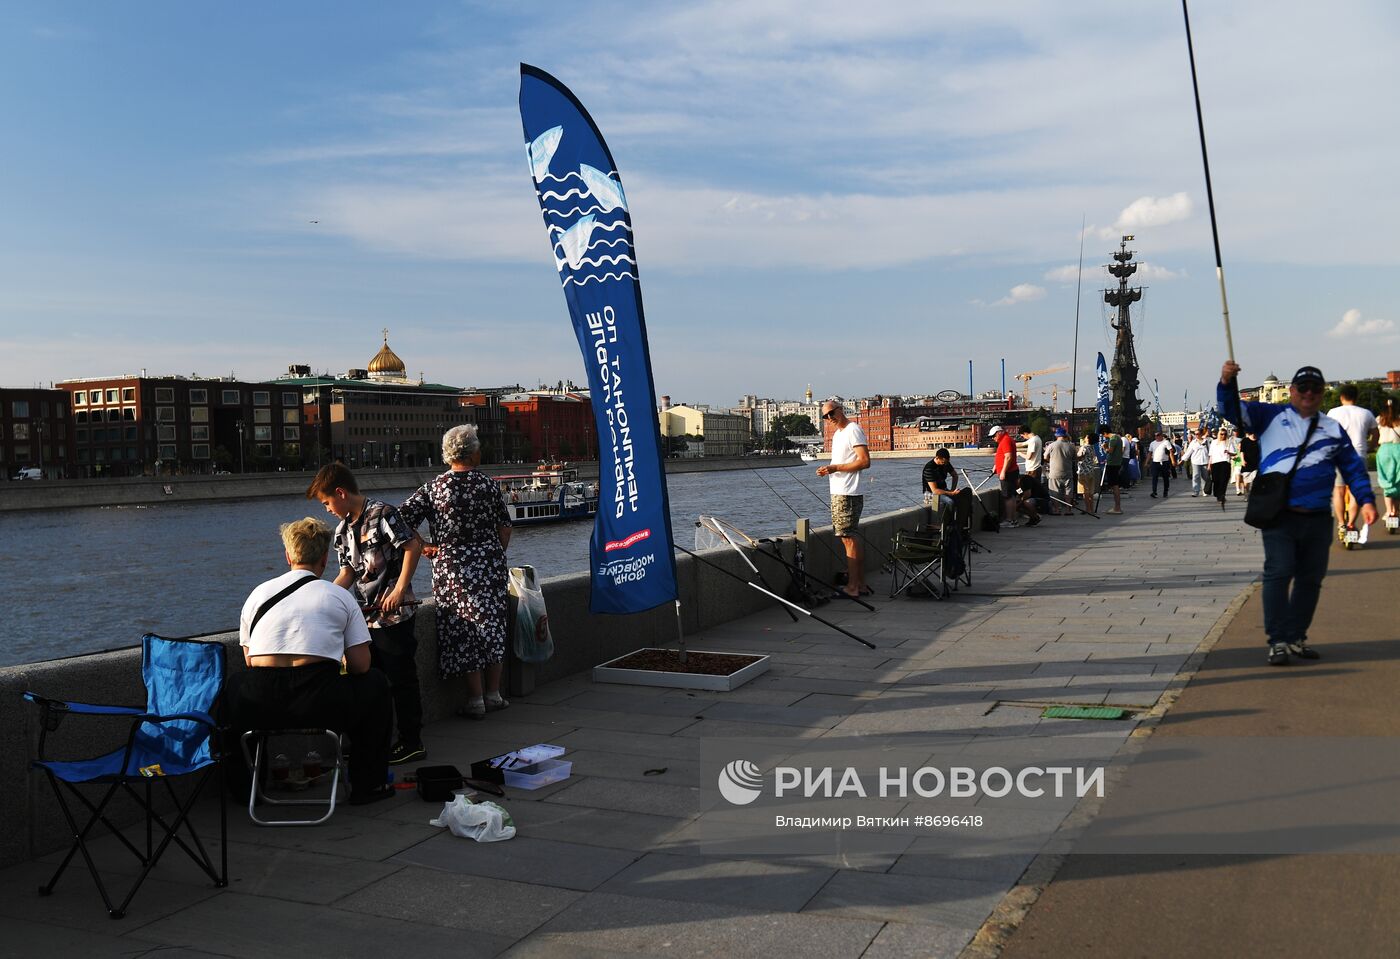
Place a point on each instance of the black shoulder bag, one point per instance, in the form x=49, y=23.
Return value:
x=1268, y=495
x=273, y=601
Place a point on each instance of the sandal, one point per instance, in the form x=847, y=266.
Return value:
x=867, y=591
x=470, y=711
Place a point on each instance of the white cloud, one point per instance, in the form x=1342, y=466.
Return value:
x=1021, y=293
x=1351, y=324
x=1148, y=211
x=1151, y=271
x=1155, y=211
x=1063, y=274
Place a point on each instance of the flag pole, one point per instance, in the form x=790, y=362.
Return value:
x=1210, y=193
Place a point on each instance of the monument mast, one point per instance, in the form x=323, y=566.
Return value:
x=1126, y=409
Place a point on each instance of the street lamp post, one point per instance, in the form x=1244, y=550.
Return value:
x=240, y=446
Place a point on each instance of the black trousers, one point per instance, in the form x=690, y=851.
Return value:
x=1162, y=471
x=316, y=696
x=394, y=649
x=1220, y=479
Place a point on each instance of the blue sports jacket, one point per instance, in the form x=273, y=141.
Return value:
x=1281, y=431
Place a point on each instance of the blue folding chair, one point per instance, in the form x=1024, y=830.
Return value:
x=175, y=735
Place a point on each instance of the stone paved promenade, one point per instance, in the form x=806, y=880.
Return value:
x=626, y=860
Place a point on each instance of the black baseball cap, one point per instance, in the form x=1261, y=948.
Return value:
x=1309, y=376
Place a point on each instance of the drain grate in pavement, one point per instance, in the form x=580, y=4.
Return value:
x=1083, y=712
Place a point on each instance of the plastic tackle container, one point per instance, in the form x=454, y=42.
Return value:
x=539, y=774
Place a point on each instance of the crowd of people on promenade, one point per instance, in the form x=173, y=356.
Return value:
x=343, y=654
x=1313, y=467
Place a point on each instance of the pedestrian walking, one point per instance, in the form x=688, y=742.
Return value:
x=1360, y=425
x=1297, y=442
x=1198, y=462
x=1388, y=459
x=1163, y=459
x=1222, y=450
x=1113, y=468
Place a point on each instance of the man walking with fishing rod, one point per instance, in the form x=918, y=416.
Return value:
x=850, y=457
x=1305, y=448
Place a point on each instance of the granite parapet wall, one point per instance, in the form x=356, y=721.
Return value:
x=582, y=640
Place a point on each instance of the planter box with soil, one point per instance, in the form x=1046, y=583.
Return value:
x=701, y=670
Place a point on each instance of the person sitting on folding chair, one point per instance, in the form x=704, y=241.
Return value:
x=940, y=482
x=295, y=630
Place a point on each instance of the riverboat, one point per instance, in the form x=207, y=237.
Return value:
x=809, y=454
x=551, y=494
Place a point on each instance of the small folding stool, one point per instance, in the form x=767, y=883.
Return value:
x=254, y=743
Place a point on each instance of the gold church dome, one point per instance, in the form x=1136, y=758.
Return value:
x=386, y=361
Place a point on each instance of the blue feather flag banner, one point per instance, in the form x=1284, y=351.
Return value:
x=590, y=234
x=1101, y=371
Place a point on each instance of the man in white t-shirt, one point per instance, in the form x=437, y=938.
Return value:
x=295, y=631
x=1163, y=459
x=1360, y=424
x=850, y=457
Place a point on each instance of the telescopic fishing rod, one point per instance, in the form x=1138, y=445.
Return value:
x=1210, y=193
x=1078, y=290
x=864, y=539
x=729, y=532
x=793, y=606
x=792, y=509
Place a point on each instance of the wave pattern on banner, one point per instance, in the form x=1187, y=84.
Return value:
x=579, y=222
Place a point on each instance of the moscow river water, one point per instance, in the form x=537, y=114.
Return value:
x=81, y=580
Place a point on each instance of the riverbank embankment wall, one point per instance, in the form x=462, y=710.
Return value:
x=149, y=490
x=582, y=640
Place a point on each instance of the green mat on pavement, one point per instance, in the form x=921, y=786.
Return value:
x=1083, y=712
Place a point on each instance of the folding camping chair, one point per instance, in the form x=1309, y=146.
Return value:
x=174, y=735
x=254, y=743
x=916, y=560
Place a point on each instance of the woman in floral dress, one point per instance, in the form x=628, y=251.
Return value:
x=470, y=527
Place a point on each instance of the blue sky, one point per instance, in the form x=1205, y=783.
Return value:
x=860, y=197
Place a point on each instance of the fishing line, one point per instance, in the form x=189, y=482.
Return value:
x=863, y=538
x=831, y=548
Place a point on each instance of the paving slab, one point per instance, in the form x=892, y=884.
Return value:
x=960, y=903
x=547, y=862
x=504, y=909
x=254, y=926
x=753, y=884
x=627, y=925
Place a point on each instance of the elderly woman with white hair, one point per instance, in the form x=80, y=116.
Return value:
x=471, y=528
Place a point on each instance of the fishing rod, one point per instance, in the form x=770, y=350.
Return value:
x=1078, y=291
x=864, y=539
x=793, y=606
x=747, y=562
x=1210, y=193
x=728, y=531
x=840, y=559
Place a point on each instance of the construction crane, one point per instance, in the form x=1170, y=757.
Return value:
x=1054, y=390
x=1026, y=378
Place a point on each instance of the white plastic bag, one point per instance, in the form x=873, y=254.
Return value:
x=483, y=821
x=533, y=642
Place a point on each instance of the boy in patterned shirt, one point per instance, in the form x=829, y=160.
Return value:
x=378, y=554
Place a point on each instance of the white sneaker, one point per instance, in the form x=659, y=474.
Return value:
x=1007, y=525
x=1115, y=512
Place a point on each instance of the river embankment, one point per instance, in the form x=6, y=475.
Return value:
x=148, y=490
